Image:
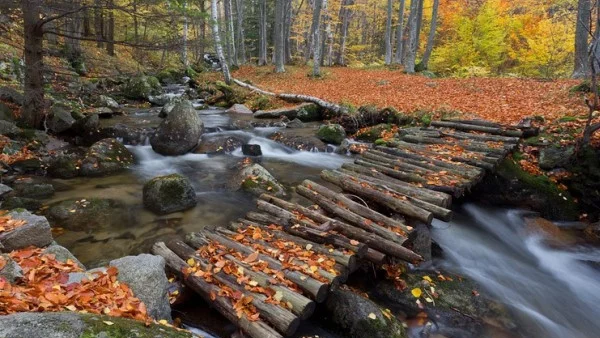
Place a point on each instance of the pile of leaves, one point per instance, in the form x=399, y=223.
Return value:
x=45, y=287
x=22, y=154
x=7, y=223
x=504, y=100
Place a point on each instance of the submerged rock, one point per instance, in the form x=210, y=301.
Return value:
x=33, y=189
x=14, y=202
x=331, y=133
x=239, y=109
x=145, y=275
x=360, y=317
x=80, y=325
x=167, y=194
x=257, y=180
x=251, y=150
x=180, y=132
x=84, y=214
x=35, y=232
x=105, y=157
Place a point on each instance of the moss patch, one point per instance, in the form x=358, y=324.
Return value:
x=125, y=328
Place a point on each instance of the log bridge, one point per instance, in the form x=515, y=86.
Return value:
x=266, y=272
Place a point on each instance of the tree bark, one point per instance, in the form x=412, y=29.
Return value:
x=240, y=38
x=262, y=33
x=279, y=36
x=184, y=42
x=345, y=14
x=400, y=34
x=327, y=60
x=33, y=103
x=217, y=38
x=582, y=33
x=388, y=34
x=431, y=37
x=110, y=44
x=410, y=50
x=98, y=24
x=315, y=37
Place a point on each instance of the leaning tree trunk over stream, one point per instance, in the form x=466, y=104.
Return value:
x=217, y=38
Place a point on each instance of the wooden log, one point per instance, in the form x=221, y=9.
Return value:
x=356, y=187
x=255, y=329
x=423, y=150
x=282, y=319
x=357, y=208
x=429, y=195
x=479, y=137
x=401, y=175
x=472, y=170
x=482, y=123
x=331, y=277
x=470, y=146
x=313, y=235
x=467, y=172
x=395, y=164
x=472, y=127
x=438, y=211
x=315, y=289
x=348, y=261
x=333, y=208
x=372, y=240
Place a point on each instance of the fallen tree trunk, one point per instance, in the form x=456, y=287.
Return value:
x=255, y=329
x=473, y=127
x=332, y=107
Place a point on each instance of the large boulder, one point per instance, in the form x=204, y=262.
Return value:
x=128, y=134
x=145, y=275
x=180, y=132
x=331, y=133
x=167, y=194
x=554, y=157
x=105, y=157
x=64, y=166
x=81, y=325
x=89, y=214
x=239, y=109
x=257, y=180
x=359, y=317
x=61, y=118
x=299, y=139
x=160, y=100
x=219, y=144
x=35, y=232
x=87, y=125
x=107, y=101
x=142, y=87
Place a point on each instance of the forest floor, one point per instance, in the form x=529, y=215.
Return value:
x=505, y=100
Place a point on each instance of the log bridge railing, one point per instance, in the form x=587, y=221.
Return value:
x=267, y=271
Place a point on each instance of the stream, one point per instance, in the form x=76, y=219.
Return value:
x=552, y=291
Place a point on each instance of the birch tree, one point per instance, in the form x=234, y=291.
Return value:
x=217, y=38
x=388, y=34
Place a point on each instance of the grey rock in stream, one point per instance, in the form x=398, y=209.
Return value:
x=107, y=101
x=33, y=189
x=257, y=180
x=79, y=325
x=14, y=202
x=360, y=317
x=239, y=109
x=180, y=132
x=35, y=232
x=11, y=270
x=167, y=194
x=220, y=144
x=60, y=118
x=105, y=157
x=89, y=214
x=141, y=87
x=331, y=133
x=145, y=274
x=62, y=254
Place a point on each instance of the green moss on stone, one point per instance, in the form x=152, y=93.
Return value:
x=96, y=327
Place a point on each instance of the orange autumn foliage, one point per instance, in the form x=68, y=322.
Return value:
x=504, y=100
x=7, y=223
x=44, y=288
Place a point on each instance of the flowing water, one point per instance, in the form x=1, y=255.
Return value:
x=552, y=291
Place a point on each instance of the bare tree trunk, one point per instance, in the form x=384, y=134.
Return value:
x=410, y=50
x=315, y=38
x=288, y=31
x=33, y=103
x=328, y=59
x=431, y=37
x=240, y=38
x=419, y=19
x=202, y=29
x=184, y=42
x=110, y=44
x=136, y=32
x=314, y=27
x=344, y=15
x=582, y=32
x=217, y=37
x=74, y=29
x=262, y=33
x=279, y=36
x=399, y=34
x=87, y=29
x=98, y=24
x=388, y=34
x=229, y=31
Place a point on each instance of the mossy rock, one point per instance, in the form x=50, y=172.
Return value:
x=372, y=134
x=80, y=325
x=309, y=112
x=331, y=133
x=141, y=87
x=106, y=157
x=168, y=194
x=64, y=166
x=257, y=180
x=170, y=75
x=13, y=202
